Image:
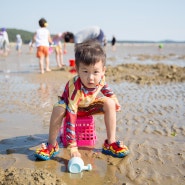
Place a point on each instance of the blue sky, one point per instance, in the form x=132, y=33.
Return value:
x=126, y=19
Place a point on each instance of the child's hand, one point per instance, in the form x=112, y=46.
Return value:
x=65, y=52
x=118, y=107
x=75, y=154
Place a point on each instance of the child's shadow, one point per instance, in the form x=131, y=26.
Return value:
x=27, y=145
x=22, y=145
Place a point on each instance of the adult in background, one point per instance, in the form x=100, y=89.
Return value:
x=113, y=43
x=89, y=33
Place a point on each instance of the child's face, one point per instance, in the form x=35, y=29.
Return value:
x=92, y=74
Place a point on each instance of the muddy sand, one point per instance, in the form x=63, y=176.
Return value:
x=150, y=86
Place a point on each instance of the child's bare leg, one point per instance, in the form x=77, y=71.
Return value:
x=61, y=58
x=48, y=151
x=47, y=64
x=41, y=64
x=55, y=124
x=111, y=147
x=110, y=119
x=57, y=58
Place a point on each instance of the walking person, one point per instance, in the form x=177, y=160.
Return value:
x=43, y=39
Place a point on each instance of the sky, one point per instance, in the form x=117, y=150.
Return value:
x=146, y=20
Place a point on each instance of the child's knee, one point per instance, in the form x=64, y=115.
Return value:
x=109, y=102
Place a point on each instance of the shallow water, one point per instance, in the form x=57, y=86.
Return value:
x=125, y=54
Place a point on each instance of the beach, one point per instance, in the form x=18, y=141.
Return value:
x=150, y=85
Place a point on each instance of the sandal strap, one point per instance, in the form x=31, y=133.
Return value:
x=120, y=144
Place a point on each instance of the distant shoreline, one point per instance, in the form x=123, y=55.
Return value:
x=150, y=42
x=27, y=36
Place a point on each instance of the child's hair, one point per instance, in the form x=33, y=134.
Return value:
x=3, y=29
x=89, y=53
x=42, y=22
x=68, y=36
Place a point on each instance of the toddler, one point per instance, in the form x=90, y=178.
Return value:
x=81, y=97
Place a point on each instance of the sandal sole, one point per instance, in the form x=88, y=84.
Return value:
x=120, y=155
x=44, y=158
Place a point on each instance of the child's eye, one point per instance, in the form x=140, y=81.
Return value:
x=96, y=72
x=85, y=71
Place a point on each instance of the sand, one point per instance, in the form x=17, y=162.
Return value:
x=150, y=86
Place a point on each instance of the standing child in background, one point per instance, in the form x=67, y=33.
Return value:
x=18, y=43
x=81, y=97
x=1, y=41
x=57, y=40
x=4, y=41
x=42, y=38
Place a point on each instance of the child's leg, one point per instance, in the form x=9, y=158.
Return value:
x=61, y=57
x=110, y=119
x=41, y=64
x=52, y=148
x=111, y=146
x=57, y=56
x=107, y=106
x=47, y=63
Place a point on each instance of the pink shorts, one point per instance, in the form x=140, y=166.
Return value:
x=42, y=51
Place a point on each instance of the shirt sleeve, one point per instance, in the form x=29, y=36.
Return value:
x=107, y=91
x=71, y=98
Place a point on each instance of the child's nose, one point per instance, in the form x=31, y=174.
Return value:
x=91, y=76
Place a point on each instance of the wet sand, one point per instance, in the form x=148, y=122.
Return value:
x=150, y=86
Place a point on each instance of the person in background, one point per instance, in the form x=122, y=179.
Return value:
x=105, y=41
x=113, y=43
x=4, y=42
x=1, y=41
x=57, y=41
x=18, y=43
x=89, y=33
x=81, y=97
x=42, y=39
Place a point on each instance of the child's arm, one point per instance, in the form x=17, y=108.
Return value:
x=118, y=106
x=71, y=98
x=64, y=46
x=73, y=150
x=106, y=90
x=50, y=39
x=33, y=40
x=65, y=51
